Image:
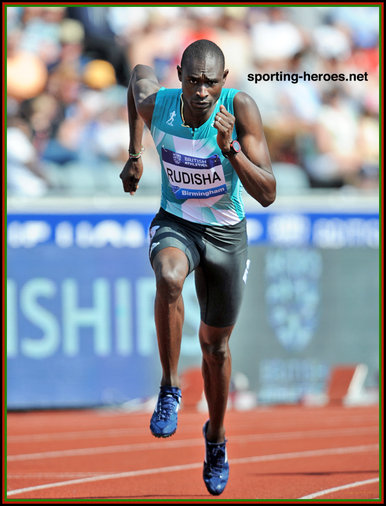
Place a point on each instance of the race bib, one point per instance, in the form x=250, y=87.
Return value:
x=194, y=178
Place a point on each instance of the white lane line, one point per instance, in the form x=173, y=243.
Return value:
x=83, y=434
x=128, y=474
x=341, y=487
x=28, y=475
x=247, y=438
x=61, y=436
x=185, y=467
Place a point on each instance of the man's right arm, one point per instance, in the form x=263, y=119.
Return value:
x=141, y=96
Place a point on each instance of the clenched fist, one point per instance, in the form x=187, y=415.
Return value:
x=131, y=174
x=224, y=122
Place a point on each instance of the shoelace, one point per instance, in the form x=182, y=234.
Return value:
x=216, y=457
x=166, y=406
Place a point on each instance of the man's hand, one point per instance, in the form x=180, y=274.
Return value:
x=131, y=174
x=224, y=122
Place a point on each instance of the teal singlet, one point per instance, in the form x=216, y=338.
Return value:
x=198, y=183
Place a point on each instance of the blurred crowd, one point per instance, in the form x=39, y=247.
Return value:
x=68, y=69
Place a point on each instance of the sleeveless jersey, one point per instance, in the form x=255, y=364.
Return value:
x=198, y=183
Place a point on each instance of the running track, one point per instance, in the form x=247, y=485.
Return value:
x=274, y=453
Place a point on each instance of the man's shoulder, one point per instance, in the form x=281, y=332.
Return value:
x=166, y=106
x=242, y=96
x=229, y=92
x=242, y=99
x=165, y=93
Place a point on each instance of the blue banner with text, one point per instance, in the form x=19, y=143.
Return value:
x=80, y=295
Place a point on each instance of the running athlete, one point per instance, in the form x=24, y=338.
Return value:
x=211, y=143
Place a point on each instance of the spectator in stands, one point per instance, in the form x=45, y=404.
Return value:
x=100, y=41
x=58, y=51
x=24, y=175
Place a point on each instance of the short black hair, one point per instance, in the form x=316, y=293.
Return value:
x=200, y=49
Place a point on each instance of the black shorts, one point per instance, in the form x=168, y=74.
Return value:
x=217, y=254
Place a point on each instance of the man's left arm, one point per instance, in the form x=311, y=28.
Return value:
x=252, y=163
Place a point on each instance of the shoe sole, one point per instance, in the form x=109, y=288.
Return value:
x=214, y=493
x=159, y=436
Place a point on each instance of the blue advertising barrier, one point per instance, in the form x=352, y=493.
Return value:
x=325, y=230
x=80, y=294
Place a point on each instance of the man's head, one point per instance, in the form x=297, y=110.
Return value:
x=200, y=50
x=202, y=75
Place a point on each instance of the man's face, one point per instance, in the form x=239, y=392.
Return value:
x=202, y=81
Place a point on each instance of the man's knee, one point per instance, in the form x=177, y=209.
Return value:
x=170, y=281
x=171, y=267
x=214, y=343
x=216, y=353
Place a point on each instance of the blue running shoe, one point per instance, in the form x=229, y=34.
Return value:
x=216, y=467
x=163, y=423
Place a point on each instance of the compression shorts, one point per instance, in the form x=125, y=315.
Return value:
x=217, y=254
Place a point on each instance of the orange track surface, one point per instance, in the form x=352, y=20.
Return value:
x=274, y=453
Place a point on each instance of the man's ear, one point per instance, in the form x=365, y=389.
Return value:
x=225, y=74
x=179, y=72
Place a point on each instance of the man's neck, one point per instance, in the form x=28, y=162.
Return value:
x=192, y=120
